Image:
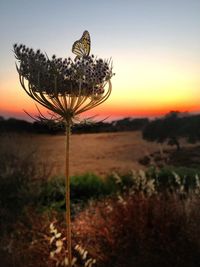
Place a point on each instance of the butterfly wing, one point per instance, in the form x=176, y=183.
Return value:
x=82, y=46
x=86, y=42
x=78, y=49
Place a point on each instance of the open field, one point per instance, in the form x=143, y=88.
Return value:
x=100, y=153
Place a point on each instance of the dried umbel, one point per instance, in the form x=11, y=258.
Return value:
x=67, y=87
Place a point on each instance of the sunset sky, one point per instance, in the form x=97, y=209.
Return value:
x=154, y=45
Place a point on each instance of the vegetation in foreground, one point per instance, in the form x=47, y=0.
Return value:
x=139, y=219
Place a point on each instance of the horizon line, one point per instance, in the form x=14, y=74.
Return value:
x=106, y=119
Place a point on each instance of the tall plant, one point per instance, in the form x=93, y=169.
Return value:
x=67, y=88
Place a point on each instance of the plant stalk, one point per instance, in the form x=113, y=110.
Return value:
x=67, y=185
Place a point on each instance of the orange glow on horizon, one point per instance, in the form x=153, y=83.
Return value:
x=111, y=112
x=142, y=88
x=114, y=107
x=143, y=110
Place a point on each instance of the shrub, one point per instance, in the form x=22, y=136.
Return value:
x=136, y=226
x=176, y=179
x=89, y=186
x=140, y=231
x=52, y=194
x=83, y=188
x=19, y=176
x=16, y=175
x=181, y=180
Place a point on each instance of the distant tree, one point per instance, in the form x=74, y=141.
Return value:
x=130, y=124
x=49, y=127
x=173, y=126
x=16, y=125
x=191, y=128
x=90, y=127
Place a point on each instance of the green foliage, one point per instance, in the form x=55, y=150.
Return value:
x=176, y=178
x=82, y=188
x=52, y=194
x=88, y=186
x=18, y=189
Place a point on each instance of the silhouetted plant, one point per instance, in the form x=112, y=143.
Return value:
x=67, y=88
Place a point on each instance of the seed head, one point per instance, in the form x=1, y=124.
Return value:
x=65, y=86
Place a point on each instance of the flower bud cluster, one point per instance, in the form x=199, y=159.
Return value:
x=86, y=75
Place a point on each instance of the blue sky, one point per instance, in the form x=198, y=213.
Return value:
x=139, y=35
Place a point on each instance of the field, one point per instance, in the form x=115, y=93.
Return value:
x=100, y=153
x=137, y=219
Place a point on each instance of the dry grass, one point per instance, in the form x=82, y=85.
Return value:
x=140, y=231
x=99, y=153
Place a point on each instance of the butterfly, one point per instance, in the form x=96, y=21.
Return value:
x=82, y=46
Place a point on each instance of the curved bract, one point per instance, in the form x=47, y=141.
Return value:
x=66, y=87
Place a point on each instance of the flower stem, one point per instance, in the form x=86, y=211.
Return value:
x=68, y=213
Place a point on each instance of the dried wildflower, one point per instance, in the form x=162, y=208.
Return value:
x=67, y=88
x=58, y=251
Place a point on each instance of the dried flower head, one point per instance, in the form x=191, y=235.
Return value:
x=66, y=87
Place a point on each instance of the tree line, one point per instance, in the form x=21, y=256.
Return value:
x=172, y=127
x=16, y=125
x=169, y=128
